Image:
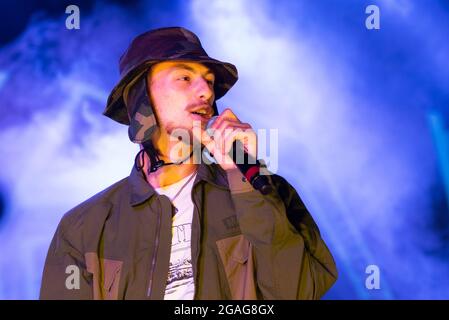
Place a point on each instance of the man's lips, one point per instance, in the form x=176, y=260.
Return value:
x=201, y=117
x=202, y=110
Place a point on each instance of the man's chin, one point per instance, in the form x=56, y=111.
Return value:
x=183, y=151
x=188, y=136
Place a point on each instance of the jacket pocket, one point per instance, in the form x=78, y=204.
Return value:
x=237, y=258
x=106, y=276
x=112, y=270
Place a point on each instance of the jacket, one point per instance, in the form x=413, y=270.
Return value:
x=244, y=245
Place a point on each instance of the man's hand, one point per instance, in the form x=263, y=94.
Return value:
x=226, y=129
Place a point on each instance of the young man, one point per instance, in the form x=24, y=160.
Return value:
x=178, y=227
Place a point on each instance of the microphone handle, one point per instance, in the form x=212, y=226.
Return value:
x=250, y=168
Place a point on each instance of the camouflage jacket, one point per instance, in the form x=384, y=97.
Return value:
x=244, y=245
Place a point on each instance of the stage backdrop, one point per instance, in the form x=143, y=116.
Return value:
x=357, y=97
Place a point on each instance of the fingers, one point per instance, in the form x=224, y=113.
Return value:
x=229, y=131
x=226, y=115
x=219, y=138
x=228, y=124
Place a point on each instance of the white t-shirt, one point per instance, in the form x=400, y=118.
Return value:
x=180, y=282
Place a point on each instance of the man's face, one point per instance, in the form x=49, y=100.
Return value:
x=181, y=93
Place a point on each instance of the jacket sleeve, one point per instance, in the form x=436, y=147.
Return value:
x=65, y=275
x=291, y=259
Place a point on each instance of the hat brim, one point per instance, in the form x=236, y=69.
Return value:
x=225, y=77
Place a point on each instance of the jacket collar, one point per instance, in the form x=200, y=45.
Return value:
x=141, y=190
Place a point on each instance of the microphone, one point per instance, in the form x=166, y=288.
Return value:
x=249, y=167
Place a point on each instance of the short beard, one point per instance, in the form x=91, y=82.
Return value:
x=170, y=129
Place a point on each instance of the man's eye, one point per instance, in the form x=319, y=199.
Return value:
x=211, y=82
x=185, y=78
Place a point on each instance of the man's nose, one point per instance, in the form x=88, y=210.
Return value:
x=205, y=91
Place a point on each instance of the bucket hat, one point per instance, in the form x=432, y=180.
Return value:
x=128, y=102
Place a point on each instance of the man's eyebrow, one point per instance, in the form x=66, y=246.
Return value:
x=187, y=67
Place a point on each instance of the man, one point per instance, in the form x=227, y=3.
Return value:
x=177, y=227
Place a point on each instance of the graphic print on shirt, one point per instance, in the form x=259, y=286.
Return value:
x=180, y=284
x=180, y=269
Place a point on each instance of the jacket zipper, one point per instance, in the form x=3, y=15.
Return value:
x=156, y=246
x=196, y=214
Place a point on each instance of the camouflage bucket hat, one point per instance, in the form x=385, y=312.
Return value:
x=165, y=44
